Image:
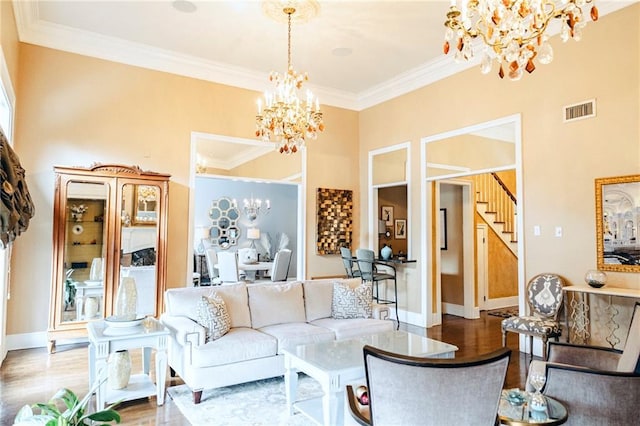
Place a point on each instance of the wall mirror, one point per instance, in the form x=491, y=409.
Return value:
x=224, y=231
x=617, y=216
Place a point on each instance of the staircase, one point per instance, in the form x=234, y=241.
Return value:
x=497, y=206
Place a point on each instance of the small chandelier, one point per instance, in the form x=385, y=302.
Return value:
x=253, y=206
x=285, y=119
x=512, y=30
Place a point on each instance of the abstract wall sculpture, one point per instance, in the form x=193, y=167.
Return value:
x=335, y=220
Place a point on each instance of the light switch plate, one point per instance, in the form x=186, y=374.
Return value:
x=558, y=231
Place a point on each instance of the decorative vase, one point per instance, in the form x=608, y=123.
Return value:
x=119, y=369
x=595, y=278
x=90, y=307
x=126, y=299
x=386, y=252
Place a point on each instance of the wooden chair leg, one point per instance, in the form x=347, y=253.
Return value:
x=172, y=372
x=531, y=347
x=197, y=396
x=544, y=348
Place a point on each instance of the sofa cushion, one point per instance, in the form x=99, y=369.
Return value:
x=276, y=304
x=351, y=328
x=290, y=335
x=318, y=296
x=183, y=301
x=239, y=344
x=213, y=316
x=349, y=302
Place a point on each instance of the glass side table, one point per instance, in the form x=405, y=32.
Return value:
x=521, y=415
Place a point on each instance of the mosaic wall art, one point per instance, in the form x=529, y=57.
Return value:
x=335, y=220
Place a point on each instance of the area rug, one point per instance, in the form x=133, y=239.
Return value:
x=504, y=312
x=257, y=403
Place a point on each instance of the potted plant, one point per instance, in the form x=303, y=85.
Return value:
x=74, y=415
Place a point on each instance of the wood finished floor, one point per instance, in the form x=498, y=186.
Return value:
x=33, y=375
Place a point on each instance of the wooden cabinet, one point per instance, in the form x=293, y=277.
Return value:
x=109, y=221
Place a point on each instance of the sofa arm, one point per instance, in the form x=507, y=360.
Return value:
x=184, y=330
x=381, y=312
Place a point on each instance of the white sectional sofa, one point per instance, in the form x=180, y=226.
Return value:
x=265, y=318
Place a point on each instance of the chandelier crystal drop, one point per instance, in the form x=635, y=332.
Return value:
x=513, y=31
x=284, y=118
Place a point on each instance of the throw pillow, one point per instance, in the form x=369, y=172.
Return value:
x=351, y=302
x=212, y=314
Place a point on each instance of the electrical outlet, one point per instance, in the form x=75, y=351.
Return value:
x=536, y=230
x=558, y=231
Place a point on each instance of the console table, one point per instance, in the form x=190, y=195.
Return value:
x=581, y=305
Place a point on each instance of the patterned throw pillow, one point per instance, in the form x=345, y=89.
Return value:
x=212, y=314
x=351, y=302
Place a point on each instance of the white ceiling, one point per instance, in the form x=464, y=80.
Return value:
x=396, y=46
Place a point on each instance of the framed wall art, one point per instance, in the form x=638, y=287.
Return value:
x=335, y=221
x=386, y=214
x=400, y=229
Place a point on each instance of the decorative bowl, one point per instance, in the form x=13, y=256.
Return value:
x=595, y=278
x=515, y=397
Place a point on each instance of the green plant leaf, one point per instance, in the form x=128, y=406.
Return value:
x=47, y=409
x=105, y=416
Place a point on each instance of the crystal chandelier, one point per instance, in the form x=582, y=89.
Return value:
x=253, y=206
x=512, y=30
x=286, y=119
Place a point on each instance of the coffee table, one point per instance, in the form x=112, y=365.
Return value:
x=338, y=363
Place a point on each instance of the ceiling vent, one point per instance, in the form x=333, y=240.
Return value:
x=579, y=111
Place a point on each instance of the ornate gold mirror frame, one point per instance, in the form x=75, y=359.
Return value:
x=617, y=217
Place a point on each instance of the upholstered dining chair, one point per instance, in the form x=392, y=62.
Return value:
x=228, y=267
x=349, y=262
x=405, y=390
x=281, y=263
x=211, y=256
x=369, y=272
x=544, y=299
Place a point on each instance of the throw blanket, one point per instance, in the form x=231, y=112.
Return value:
x=16, y=208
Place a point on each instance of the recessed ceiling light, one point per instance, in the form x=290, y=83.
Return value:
x=342, y=51
x=184, y=6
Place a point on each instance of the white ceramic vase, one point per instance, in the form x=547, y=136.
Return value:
x=127, y=298
x=119, y=369
x=91, y=307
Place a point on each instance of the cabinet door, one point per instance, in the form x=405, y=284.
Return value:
x=80, y=249
x=141, y=205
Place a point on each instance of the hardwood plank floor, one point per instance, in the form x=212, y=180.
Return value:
x=33, y=375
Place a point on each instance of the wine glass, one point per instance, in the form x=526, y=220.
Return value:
x=537, y=380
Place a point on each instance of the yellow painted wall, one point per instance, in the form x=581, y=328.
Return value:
x=76, y=110
x=560, y=161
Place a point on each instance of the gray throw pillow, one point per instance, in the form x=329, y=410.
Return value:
x=212, y=314
x=352, y=302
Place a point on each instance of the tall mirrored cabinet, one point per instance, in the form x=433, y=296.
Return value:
x=109, y=222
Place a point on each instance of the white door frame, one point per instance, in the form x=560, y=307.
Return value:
x=470, y=311
x=302, y=199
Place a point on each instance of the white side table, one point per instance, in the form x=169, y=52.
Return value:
x=105, y=340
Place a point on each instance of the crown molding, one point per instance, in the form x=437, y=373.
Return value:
x=35, y=31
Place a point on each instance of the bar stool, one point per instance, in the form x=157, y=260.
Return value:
x=368, y=272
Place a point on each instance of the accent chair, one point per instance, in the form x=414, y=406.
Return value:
x=405, y=390
x=544, y=299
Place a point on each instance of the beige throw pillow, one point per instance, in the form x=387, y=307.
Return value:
x=212, y=314
x=352, y=302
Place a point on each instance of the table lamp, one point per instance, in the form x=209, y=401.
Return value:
x=253, y=234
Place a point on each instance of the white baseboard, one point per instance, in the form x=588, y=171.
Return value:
x=26, y=341
x=453, y=309
x=501, y=302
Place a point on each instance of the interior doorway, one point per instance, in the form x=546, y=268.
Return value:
x=492, y=146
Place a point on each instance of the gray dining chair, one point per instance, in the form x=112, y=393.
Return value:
x=211, y=257
x=228, y=267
